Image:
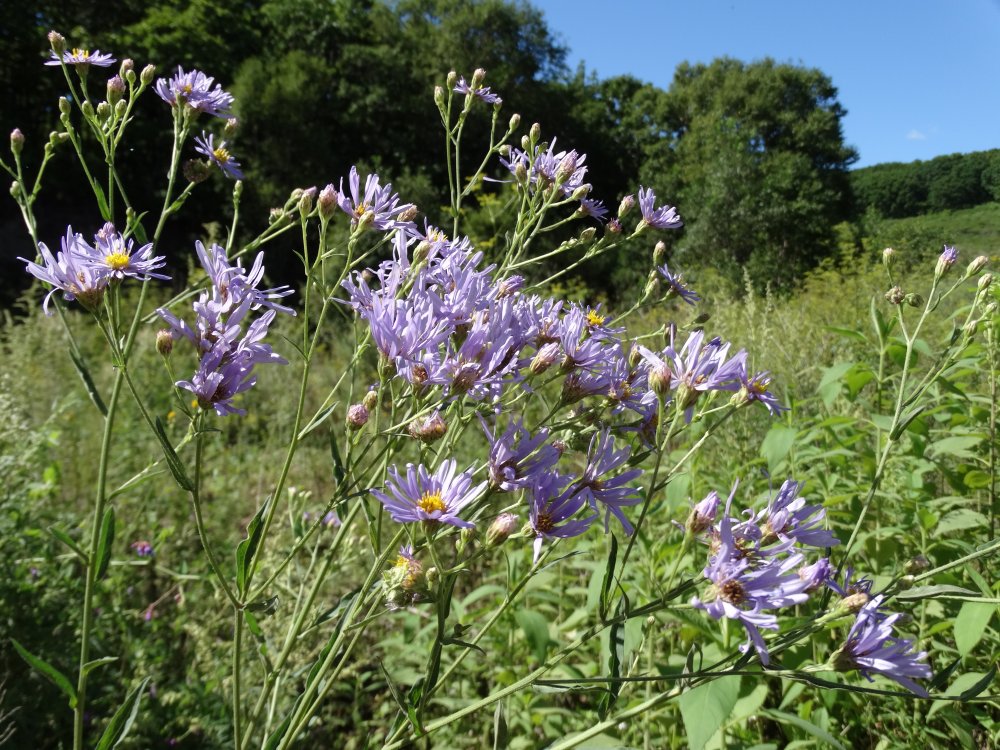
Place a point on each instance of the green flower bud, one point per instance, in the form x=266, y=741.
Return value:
x=451, y=79
x=103, y=112
x=888, y=257
x=500, y=530
x=439, y=97
x=327, y=202
x=659, y=253
x=626, y=205
x=16, y=141
x=588, y=234
x=230, y=128
x=146, y=76
x=984, y=281
x=515, y=122
x=164, y=342
x=64, y=105
x=976, y=265
x=535, y=133
x=115, y=89
x=913, y=299
x=478, y=76
x=120, y=109
x=895, y=296
x=88, y=110
x=370, y=400
x=58, y=42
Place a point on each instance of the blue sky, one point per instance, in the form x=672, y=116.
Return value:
x=918, y=78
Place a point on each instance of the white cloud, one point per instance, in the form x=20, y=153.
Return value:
x=916, y=135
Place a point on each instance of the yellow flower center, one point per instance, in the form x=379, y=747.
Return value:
x=221, y=154
x=187, y=88
x=431, y=502
x=360, y=209
x=117, y=260
x=80, y=54
x=595, y=319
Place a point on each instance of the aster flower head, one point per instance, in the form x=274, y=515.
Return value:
x=114, y=254
x=664, y=217
x=755, y=389
x=612, y=492
x=871, y=648
x=194, y=89
x=482, y=93
x=419, y=495
x=817, y=574
x=379, y=202
x=82, y=59
x=72, y=271
x=946, y=260
x=517, y=457
x=676, y=286
x=553, y=510
x=218, y=155
x=701, y=367
x=788, y=517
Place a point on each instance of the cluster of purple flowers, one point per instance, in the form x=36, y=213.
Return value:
x=194, y=91
x=756, y=565
x=227, y=353
x=546, y=167
x=83, y=271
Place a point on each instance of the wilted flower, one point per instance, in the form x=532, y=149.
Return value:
x=194, y=90
x=428, y=429
x=357, y=416
x=421, y=496
x=218, y=155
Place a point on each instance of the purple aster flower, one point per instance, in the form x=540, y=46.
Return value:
x=676, y=286
x=549, y=167
x=517, y=457
x=481, y=92
x=664, y=217
x=788, y=517
x=703, y=513
x=380, y=202
x=946, y=260
x=614, y=493
x=114, y=254
x=745, y=586
x=72, y=271
x=551, y=511
x=817, y=574
x=594, y=208
x=857, y=591
x=194, y=89
x=872, y=648
x=421, y=496
x=142, y=548
x=218, y=155
x=82, y=58
x=700, y=368
x=755, y=389
x=330, y=519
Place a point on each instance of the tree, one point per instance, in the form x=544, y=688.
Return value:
x=756, y=161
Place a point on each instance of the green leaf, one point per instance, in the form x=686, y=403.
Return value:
x=105, y=541
x=829, y=384
x=102, y=201
x=777, y=444
x=609, y=578
x=977, y=479
x=124, y=717
x=95, y=663
x=848, y=333
x=88, y=382
x=963, y=518
x=806, y=726
x=971, y=624
x=706, y=708
x=63, y=537
x=932, y=592
x=957, y=445
x=54, y=675
x=247, y=549
x=173, y=461
x=500, y=735
x=536, y=630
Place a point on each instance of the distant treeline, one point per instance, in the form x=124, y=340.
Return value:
x=896, y=190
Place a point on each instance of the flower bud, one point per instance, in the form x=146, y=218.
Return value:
x=626, y=205
x=88, y=110
x=146, y=76
x=115, y=89
x=916, y=564
x=913, y=299
x=544, y=358
x=127, y=64
x=64, y=105
x=103, y=112
x=370, y=400
x=500, y=530
x=428, y=429
x=984, y=281
x=129, y=75
x=327, y=203
x=888, y=257
x=525, y=143
x=421, y=252
x=970, y=328
x=659, y=254
x=566, y=167
x=521, y=173
x=515, y=122
x=196, y=170
x=535, y=132
x=16, y=141
x=895, y=296
x=450, y=79
x=854, y=602
x=306, y=202
x=945, y=261
x=504, y=151
x=55, y=138
x=408, y=214
x=276, y=215
x=439, y=97
x=614, y=226
x=15, y=189
x=478, y=75
x=588, y=234
x=164, y=342
x=58, y=42
x=905, y=583
x=991, y=309
x=357, y=416
x=659, y=379
x=120, y=109
x=977, y=265
x=581, y=192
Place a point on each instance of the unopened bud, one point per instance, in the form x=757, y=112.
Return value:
x=521, y=173
x=276, y=215
x=525, y=143
x=127, y=64
x=544, y=358
x=889, y=257
x=306, y=202
x=16, y=141
x=428, y=429
x=15, y=189
x=238, y=189
x=370, y=400
x=478, y=75
x=421, y=252
x=88, y=110
x=984, y=281
x=58, y=42
x=408, y=214
x=357, y=416
x=614, y=226
x=581, y=192
x=566, y=167
x=659, y=253
x=970, y=328
x=991, y=309
x=115, y=89
x=55, y=138
x=327, y=202
x=500, y=530
x=196, y=170
x=103, y=112
x=916, y=564
x=129, y=75
x=432, y=576
x=365, y=220
x=230, y=128
x=164, y=342
x=146, y=76
x=515, y=122
x=854, y=602
x=913, y=299
x=64, y=105
x=895, y=296
x=451, y=78
x=588, y=234
x=626, y=205
x=120, y=109
x=535, y=132
x=660, y=377
x=504, y=151
x=945, y=261
x=439, y=97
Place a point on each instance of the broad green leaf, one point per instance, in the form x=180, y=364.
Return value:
x=247, y=549
x=976, y=479
x=932, y=592
x=963, y=518
x=173, y=461
x=536, y=630
x=956, y=445
x=806, y=726
x=54, y=675
x=829, y=384
x=706, y=708
x=971, y=624
x=123, y=719
x=777, y=444
x=105, y=542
